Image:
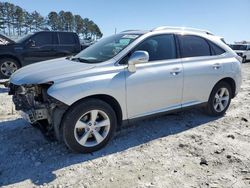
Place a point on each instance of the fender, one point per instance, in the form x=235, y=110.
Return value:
x=111, y=84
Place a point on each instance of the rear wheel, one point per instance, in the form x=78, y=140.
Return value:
x=7, y=67
x=88, y=125
x=219, y=99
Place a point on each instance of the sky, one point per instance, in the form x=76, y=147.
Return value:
x=227, y=18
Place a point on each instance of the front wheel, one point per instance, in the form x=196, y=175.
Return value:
x=88, y=125
x=219, y=99
x=7, y=67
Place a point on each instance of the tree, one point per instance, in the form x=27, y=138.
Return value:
x=8, y=12
x=69, y=21
x=53, y=21
x=38, y=21
x=2, y=20
x=78, y=24
x=28, y=22
x=61, y=23
x=19, y=19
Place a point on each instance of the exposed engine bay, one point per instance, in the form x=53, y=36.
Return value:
x=38, y=108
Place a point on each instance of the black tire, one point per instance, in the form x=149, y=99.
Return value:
x=210, y=109
x=244, y=59
x=4, y=60
x=77, y=111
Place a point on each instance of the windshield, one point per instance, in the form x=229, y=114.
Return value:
x=21, y=40
x=239, y=47
x=106, y=48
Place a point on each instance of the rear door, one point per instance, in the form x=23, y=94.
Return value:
x=202, y=66
x=68, y=44
x=42, y=48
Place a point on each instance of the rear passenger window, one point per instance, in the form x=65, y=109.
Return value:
x=159, y=47
x=216, y=50
x=193, y=46
x=66, y=38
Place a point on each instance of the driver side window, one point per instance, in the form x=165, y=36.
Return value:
x=42, y=39
x=160, y=47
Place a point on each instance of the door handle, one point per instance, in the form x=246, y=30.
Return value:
x=175, y=71
x=216, y=66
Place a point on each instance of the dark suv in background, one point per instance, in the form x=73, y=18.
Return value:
x=37, y=47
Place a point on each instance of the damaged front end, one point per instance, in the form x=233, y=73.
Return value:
x=38, y=108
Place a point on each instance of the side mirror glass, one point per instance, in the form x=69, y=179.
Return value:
x=137, y=57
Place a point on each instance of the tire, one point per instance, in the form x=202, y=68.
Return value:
x=80, y=125
x=244, y=60
x=214, y=105
x=7, y=67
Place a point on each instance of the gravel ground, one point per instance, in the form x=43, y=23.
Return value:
x=186, y=149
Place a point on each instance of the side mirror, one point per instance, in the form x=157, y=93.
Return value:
x=137, y=57
x=31, y=43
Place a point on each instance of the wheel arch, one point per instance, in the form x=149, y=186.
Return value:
x=2, y=56
x=231, y=82
x=109, y=100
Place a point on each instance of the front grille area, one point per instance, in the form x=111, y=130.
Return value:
x=26, y=98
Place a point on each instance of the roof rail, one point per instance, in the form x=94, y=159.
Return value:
x=131, y=30
x=182, y=28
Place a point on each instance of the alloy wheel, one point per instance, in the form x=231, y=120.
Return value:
x=8, y=68
x=221, y=99
x=92, y=128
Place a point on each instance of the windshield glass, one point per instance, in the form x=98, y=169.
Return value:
x=21, y=40
x=106, y=48
x=239, y=47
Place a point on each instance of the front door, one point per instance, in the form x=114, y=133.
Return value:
x=156, y=86
x=41, y=49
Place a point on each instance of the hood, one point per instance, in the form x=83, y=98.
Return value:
x=48, y=71
x=4, y=40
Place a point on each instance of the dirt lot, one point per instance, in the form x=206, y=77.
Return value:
x=186, y=149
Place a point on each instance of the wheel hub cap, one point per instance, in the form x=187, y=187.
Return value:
x=8, y=68
x=221, y=99
x=92, y=128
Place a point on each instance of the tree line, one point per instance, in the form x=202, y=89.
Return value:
x=15, y=20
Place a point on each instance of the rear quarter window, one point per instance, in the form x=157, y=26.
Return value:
x=215, y=49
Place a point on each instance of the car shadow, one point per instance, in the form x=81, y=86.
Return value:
x=26, y=155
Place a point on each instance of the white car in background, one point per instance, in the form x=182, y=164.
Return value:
x=243, y=50
x=127, y=76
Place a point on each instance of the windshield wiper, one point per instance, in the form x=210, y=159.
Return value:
x=79, y=59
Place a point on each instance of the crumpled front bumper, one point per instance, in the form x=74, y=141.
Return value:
x=33, y=116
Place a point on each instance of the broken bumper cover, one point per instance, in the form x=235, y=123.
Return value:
x=33, y=116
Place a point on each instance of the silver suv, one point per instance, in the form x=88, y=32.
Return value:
x=82, y=100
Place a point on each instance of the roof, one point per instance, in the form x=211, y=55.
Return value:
x=170, y=29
